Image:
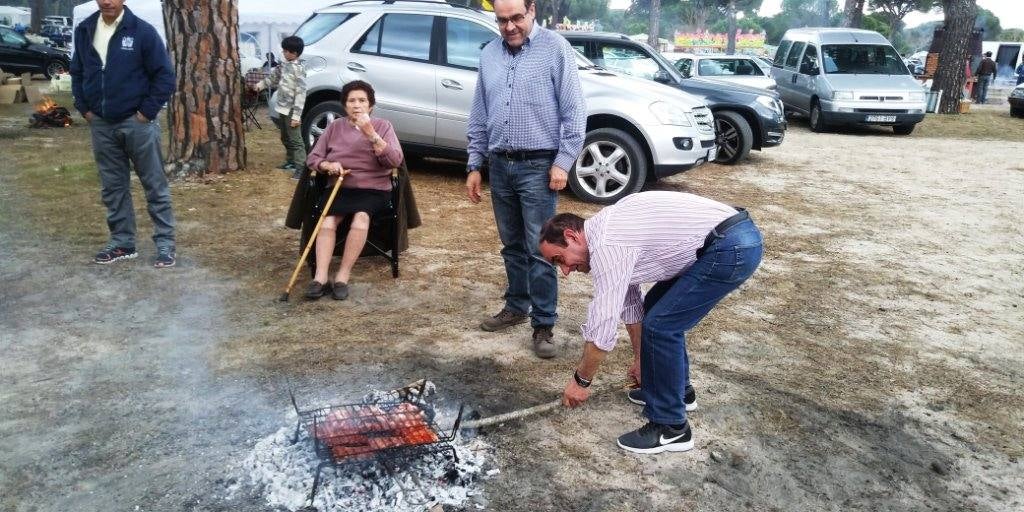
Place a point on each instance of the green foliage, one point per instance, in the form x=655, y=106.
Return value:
x=878, y=22
x=1012, y=35
x=990, y=23
x=584, y=9
x=745, y=24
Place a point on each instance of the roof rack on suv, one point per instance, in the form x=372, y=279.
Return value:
x=390, y=2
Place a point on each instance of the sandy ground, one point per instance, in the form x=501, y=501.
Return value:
x=874, y=361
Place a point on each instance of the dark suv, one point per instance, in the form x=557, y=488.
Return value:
x=745, y=117
x=17, y=55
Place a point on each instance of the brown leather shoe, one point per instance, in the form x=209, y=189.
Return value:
x=504, y=319
x=316, y=290
x=543, y=347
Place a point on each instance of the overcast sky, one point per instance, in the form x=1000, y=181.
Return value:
x=1010, y=12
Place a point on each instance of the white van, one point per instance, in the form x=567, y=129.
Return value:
x=842, y=76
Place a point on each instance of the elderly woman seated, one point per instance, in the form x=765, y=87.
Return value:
x=361, y=150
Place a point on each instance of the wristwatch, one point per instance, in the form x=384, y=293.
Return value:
x=583, y=383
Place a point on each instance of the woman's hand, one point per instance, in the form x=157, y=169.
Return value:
x=362, y=121
x=333, y=168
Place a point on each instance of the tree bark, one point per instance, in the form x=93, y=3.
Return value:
x=652, y=32
x=853, y=13
x=205, y=113
x=38, y=11
x=954, y=54
x=730, y=41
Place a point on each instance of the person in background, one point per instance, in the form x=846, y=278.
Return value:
x=528, y=120
x=363, y=149
x=116, y=47
x=696, y=251
x=986, y=73
x=290, y=80
x=1020, y=73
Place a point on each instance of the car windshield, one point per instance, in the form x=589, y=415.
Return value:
x=862, y=59
x=320, y=24
x=583, y=62
x=12, y=37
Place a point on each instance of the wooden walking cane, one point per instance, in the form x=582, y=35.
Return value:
x=312, y=240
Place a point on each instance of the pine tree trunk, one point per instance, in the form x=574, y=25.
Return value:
x=653, y=32
x=951, y=73
x=853, y=13
x=38, y=11
x=730, y=42
x=205, y=113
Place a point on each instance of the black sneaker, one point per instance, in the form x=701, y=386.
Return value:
x=110, y=254
x=287, y=166
x=689, y=398
x=655, y=438
x=165, y=257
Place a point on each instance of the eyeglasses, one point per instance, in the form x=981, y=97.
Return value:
x=517, y=19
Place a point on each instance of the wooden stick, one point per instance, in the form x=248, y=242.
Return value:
x=312, y=240
x=530, y=411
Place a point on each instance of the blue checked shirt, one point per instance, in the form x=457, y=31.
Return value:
x=528, y=101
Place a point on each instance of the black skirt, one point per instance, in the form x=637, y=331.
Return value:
x=353, y=200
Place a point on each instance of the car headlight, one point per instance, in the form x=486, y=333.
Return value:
x=842, y=95
x=769, y=103
x=915, y=96
x=670, y=114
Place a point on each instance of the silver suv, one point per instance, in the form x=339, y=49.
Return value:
x=421, y=58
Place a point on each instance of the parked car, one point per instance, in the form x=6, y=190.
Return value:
x=1016, y=101
x=58, y=35
x=738, y=69
x=421, y=58
x=17, y=55
x=63, y=21
x=745, y=117
x=842, y=76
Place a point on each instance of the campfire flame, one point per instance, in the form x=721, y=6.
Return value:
x=46, y=105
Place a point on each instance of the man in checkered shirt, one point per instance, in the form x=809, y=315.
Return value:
x=528, y=121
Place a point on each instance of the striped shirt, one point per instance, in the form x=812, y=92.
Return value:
x=644, y=238
x=528, y=101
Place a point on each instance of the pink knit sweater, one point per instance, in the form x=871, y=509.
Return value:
x=342, y=142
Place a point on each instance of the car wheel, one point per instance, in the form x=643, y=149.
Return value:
x=903, y=129
x=733, y=136
x=817, y=119
x=322, y=115
x=611, y=166
x=1017, y=112
x=54, y=68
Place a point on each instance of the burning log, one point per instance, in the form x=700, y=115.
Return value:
x=50, y=115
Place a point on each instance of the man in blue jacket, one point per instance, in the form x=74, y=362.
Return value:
x=121, y=78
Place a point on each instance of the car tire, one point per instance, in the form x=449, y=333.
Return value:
x=733, y=136
x=903, y=129
x=54, y=67
x=314, y=123
x=611, y=166
x=1017, y=112
x=816, y=119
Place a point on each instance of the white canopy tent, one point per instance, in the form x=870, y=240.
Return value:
x=14, y=15
x=261, y=23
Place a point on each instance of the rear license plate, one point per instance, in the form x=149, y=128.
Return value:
x=881, y=119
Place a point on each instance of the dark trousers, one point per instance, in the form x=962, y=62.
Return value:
x=674, y=306
x=117, y=147
x=291, y=139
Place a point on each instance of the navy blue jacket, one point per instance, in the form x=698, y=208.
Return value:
x=138, y=76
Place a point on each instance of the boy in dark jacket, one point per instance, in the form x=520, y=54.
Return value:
x=121, y=78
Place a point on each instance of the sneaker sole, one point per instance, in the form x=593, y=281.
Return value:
x=164, y=265
x=671, y=447
x=689, y=407
x=115, y=260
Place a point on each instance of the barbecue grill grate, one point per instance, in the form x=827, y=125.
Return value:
x=399, y=428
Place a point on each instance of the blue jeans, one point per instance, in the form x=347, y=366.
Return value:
x=674, y=306
x=983, y=81
x=522, y=203
x=117, y=148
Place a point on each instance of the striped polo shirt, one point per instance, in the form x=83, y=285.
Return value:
x=644, y=238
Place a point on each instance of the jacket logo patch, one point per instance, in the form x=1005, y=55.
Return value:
x=128, y=43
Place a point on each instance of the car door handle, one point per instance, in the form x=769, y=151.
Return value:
x=354, y=66
x=451, y=84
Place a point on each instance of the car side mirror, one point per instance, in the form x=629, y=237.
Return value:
x=661, y=76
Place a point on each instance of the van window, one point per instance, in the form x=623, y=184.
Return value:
x=406, y=36
x=321, y=24
x=809, y=64
x=464, y=40
x=780, y=54
x=862, y=59
x=794, y=54
x=626, y=59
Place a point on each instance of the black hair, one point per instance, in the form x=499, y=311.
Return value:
x=358, y=85
x=553, y=231
x=293, y=44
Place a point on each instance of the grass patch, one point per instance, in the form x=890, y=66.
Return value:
x=979, y=124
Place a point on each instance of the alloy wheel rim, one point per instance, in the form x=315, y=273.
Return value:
x=728, y=137
x=603, y=169
x=319, y=124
